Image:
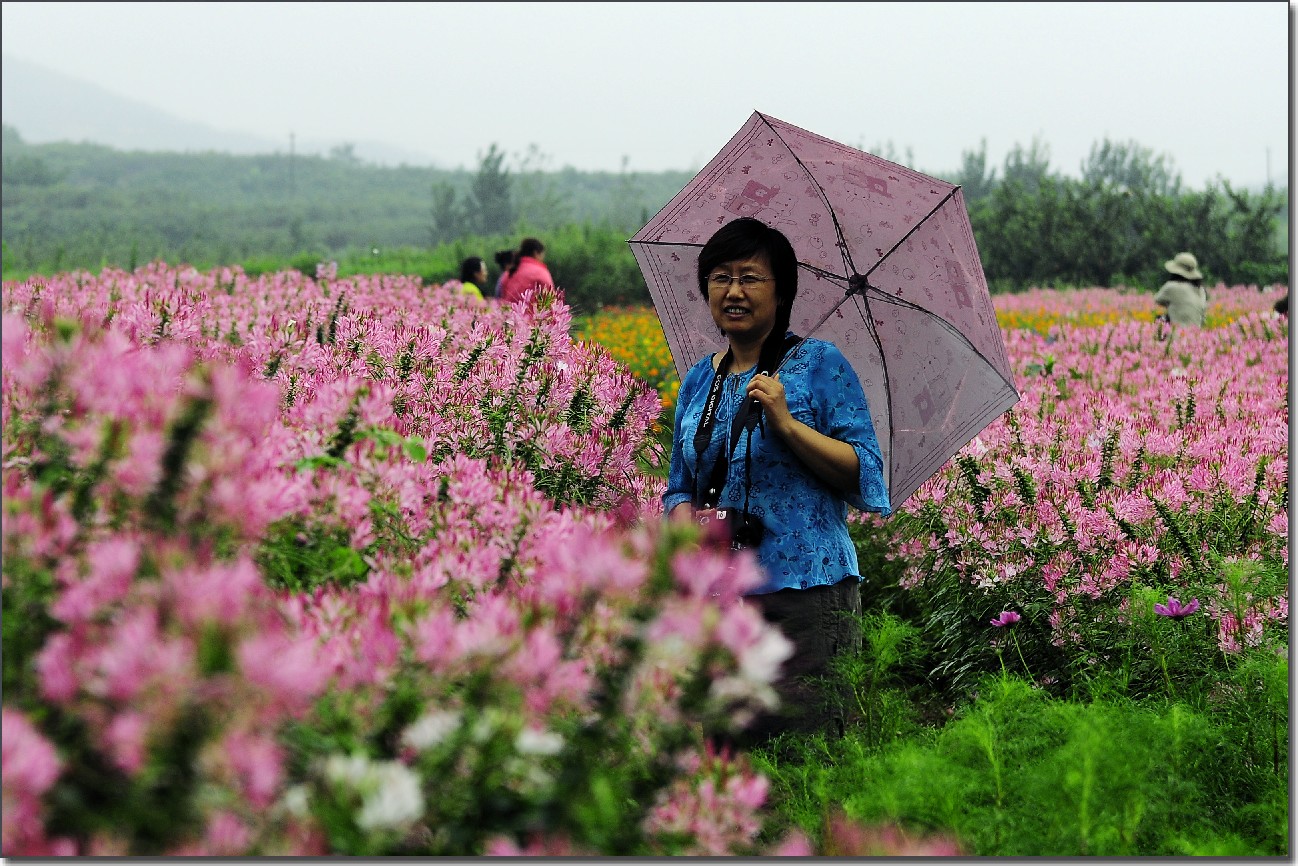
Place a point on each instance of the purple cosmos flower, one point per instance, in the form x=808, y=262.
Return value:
x=1175, y=609
x=1007, y=617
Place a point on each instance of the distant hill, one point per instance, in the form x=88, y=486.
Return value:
x=84, y=205
x=47, y=106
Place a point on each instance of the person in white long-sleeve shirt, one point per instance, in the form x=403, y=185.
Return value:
x=1183, y=296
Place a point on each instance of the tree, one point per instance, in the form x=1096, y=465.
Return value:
x=447, y=214
x=624, y=212
x=1128, y=166
x=1028, y=167
x=29, y=169
x=345, y=152
x=887, y=150
x=540, y=203
x=492, y=200
x=11, y=139
x=974, y=178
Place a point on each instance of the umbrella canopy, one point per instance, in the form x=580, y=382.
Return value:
x=888, y=272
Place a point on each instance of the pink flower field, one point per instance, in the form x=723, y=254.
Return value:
x=1139, y=456
x=300, y=566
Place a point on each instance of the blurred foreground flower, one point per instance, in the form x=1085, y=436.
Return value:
x=846, y=838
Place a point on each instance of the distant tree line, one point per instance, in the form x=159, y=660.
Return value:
x=86, y=206
x=1116, y=224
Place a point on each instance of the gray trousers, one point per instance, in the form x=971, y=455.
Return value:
x=822, y=622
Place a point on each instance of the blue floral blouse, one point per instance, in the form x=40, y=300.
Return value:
x=806, y=542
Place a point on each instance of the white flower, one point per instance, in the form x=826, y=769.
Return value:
x=390, y=792
x=431, y=729
x=349, y=769
x=531, y=741
x=394, y=800
x=761, y=661
x=296, y=801
x=740, y=690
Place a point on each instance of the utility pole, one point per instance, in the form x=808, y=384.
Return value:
x=292, y=181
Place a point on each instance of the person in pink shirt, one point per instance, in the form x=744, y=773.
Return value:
x=527, y=271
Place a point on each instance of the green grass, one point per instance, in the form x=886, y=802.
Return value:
x=1020, y=774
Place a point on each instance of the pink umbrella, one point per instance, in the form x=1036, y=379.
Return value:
x=888, y=271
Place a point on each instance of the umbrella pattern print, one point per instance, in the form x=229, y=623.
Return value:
x=887, y=270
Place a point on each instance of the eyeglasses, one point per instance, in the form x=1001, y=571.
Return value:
x=747, y=281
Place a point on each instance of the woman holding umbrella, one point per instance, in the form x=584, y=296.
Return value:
x=778, y=453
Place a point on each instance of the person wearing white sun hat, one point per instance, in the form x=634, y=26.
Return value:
x=1183, y=294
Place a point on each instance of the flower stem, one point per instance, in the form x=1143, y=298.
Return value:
x=1019, y=650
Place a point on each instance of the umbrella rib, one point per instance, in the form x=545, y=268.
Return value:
x=952, y=329
x=883, y=368
x=673, y=207
x=849, y=267
x=937, y=207
x=675, y=312
x=665, y=244
x=867, y=320
x=887, y=393
x=848, y=264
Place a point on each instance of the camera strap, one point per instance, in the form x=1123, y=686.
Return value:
x=747, y=418
x=703, y=437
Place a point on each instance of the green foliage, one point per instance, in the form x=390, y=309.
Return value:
x=29, y=589
x=1128, y=166
x=881, y=589
x=28, y=169
x=151, y=808
x=448, y=214
x=1027, y=168
x=1049, y=230
x=300, y=558
x=1152, y=742
x=1018, y=773
x=975, y=179
x=590, y=779
x=493, y=209
x=85, y=206
x=595, y=267
x=882, y=707
x=592, y=265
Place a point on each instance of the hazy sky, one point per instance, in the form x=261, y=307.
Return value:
x=665, y=85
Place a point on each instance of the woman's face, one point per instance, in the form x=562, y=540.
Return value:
x=744, y=313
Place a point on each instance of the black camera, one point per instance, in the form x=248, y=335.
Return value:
x=742, y=529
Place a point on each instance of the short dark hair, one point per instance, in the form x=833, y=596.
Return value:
x=469, y=268
x=745, y=238
x=529, y=247
x=504, y=258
